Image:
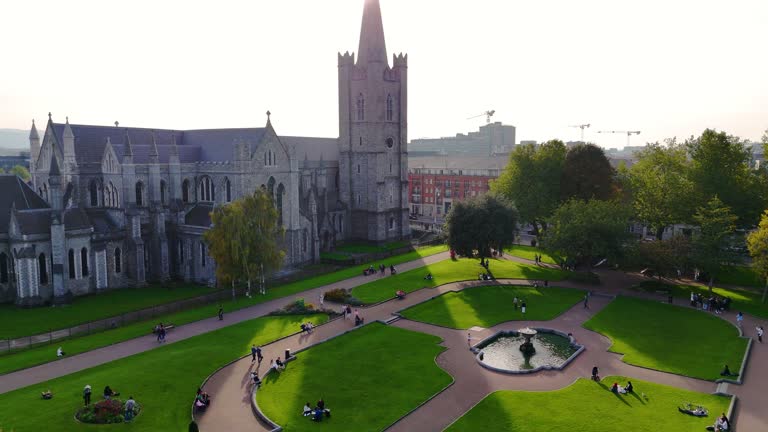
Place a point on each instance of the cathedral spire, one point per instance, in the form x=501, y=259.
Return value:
x=33, y=133
x=372, y=47
x=127, y=150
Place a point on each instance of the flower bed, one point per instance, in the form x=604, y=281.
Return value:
x=107, y=411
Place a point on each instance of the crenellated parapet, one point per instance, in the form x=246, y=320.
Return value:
x=346, y=59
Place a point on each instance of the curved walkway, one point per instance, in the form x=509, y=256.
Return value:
x=89, y=359
x=232, y=387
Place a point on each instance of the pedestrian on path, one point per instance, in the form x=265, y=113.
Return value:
x=322, y=297
x=469, y=340
x=522, y=307
x=87, y=394
x=253, y=353
x=586, y=301
x=739, y=319
x=514, y=302
x=759, y=334
x=595, y=374
x=221, y=313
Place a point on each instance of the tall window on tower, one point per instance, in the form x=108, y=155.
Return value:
x=390, y=105
x=360, y=107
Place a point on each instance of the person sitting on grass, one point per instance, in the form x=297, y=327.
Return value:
x=428, y=276
x=202, y=399
x=47, y=394
x=273, y=365
x=629, y=388
x=307, y=410
x=615, y=388
x=722, y=423
x=727, y=372
x=60, y=352
x=400, y=294
x=280, y=364
x=108, y=392
x=318, y=415
x=255, y=378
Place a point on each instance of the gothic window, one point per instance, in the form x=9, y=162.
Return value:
x=361, y=141
x=358, y=168
x=360, y=107
x=181, y=251
x=118, y=260
x=202, y=254
x=341, y=223
x=115, y=196
x=359, y=199
x=43, y=269
x=94, y=191
x=163, y=187
x=206, y=189
x=4, y=263
x=84, y=261
x=390, y=105
x=303, y=242
x=336, y=180
x=390, y=168
x=139, y=194
x=391, y=223
x=265, y=158
x=280, y=193
x=185, y=191
x=71, y=259
x=228, y=190
x=271, y=187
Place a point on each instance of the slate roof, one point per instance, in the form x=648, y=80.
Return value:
x=34, y=221
x=313, y=149
x=217, y=145
x=76, y=218
x=16, y=193
x=199, y=215
x=101, y=222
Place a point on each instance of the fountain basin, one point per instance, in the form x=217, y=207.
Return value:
x=551, y=350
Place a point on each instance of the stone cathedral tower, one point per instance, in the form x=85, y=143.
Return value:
x=373, y=125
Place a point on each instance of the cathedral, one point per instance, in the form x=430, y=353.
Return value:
x=114, y=206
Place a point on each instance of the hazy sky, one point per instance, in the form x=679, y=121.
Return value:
x=665, y=67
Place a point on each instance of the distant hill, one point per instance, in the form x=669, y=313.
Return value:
x=13, y=140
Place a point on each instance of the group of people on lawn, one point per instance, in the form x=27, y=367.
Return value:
x=712, y=303
x=316, y=413
x=371, y=270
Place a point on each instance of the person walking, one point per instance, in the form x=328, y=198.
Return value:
x=253, y=353
x=595, y=374
x=469, y=340
x=221, y=313
x=162, y=334
x=87, y=394
x=739, y=319
x=514, y=302
x=130, y=406
x=759, y=334
x=522, y=307
x=586, y=301
x=322, y=297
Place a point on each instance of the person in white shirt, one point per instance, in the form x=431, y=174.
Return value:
x=60, y=352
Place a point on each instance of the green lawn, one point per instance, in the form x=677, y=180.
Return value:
x=364, y=248
x=741, y=276
x=368, y=379
x=744, y=300
x=42, y=354
x=670, y=338
x=382, y=288
x=490, y=305
x=586, y=406
x=18, y=322
x=162, y=380
x=529, y=252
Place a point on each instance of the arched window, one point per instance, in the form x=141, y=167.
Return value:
x=227, y=190
x=115, y=195
x=304, y=241
x=3, y=268
x=391, y=223
x=202, y=254
x=390, y=111
x=271, y=187
x=139, y=194
x=118, y=260
x=185, y=191
x=265, y=158
x=43, y=269
x=207, y=192
x=163, y=187
x=336, y=180
x=360, y=107
x=181, y=251
x=84, y=262
x=71, y=259
x=358, y=168
x=280, y=193
x=341, y=223
x=94, y=190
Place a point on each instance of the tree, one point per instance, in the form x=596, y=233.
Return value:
x=757, y=243
x=664, y=257
x=720, y=167
x=531, y=180
x=711, y=245
x=585, y=230
x=587, y=174
x=481, y=223
x=22, y=172
x=661, y=189
x=244, y=240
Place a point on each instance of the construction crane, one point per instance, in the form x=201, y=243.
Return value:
x=488, y=114
x=629, y=133
x=582, y=127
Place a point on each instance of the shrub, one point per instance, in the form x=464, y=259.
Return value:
x=107, y=411
x=342, y=296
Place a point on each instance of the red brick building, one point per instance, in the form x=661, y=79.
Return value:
x=435, y=183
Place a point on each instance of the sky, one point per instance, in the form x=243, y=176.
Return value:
x=663, y=67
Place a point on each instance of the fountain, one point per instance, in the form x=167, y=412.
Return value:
x=527, y=347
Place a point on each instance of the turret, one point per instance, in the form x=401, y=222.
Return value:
x=68, y=139
x=54, y=179
x=34, y=147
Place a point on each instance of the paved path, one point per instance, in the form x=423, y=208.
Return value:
x=472, y=383
x=68, y=365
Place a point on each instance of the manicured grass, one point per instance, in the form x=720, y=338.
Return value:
x=18, y=322
x=529, y=252
x=363, y=248
x=490, y=305
x=744, y=300
x=42, y=354
x=368, y=379
x=587, y=406
x=670, y=338
x=162, y=380
x=447, y=271
x=335, y=256
x=741, y=276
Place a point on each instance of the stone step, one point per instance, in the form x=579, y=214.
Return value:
x=391, y=319
x=722, y=388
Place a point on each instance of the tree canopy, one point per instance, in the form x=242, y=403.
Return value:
x=757, y=243
x=712, y=244
x=587, y=174
x=531, y=180
x=585, y=230
x=479, y=224
x=244, y=239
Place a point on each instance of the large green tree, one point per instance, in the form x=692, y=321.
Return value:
x=720, y=168
x=21, y=171
x=757, y=243
x=712, y=243
x=476, y=225
x=531, y=180
x=586, y=230
x=244, y=240
x=587, y=174
x=664, y=257
x=661, y=189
